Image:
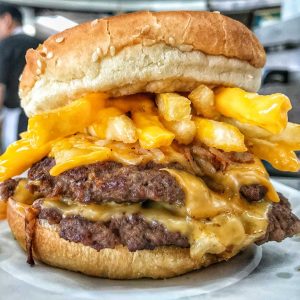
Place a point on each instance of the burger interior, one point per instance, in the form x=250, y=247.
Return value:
x=137, y=165
x=160, y=168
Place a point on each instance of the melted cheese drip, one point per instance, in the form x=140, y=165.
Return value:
x=213, y=223
x=105, y=212
x=22, y=194
x=200, y=202
x=230, y=221
x=237, y=175
x=224, y=232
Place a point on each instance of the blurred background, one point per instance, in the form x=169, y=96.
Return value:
x=275, y=22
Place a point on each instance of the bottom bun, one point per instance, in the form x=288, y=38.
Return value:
x=3, y=208
x=118, y=263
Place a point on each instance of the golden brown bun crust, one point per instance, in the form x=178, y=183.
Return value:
x=116, y=263
x=74, y=56
x=3, y=208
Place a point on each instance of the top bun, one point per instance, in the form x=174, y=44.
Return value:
x=141, y=52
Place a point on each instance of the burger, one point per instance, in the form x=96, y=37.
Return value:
x=144, y=146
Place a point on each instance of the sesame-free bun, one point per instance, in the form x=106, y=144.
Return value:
x=118, y=263
x=141, y=52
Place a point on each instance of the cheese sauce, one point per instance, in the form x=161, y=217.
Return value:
x=214, y=235
x=237, y=175
x=213, y=222
x=201, y=202
x=221, y=221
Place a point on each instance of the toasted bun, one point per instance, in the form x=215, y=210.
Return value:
x=141, y=52
x=118, y=263
x=3, y=208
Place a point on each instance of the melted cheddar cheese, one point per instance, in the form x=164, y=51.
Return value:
x=151, y=131
x=133, y=130
x=269, y=112
x=95, y=115
x=237, y=175
x=281, y=157
x=20, y=156
x=71, y=152
x=64, y=121
x=219, y=135
x=212, y=223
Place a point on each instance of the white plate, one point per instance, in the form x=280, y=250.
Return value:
x=77, y=285
x=59, y=283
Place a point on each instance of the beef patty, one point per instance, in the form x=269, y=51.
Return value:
x=282, y=222
x=111, y=181
x=7, y=188
x=132, y=231
x=136, y=233
x=107, y=181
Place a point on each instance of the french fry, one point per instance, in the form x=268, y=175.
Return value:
x=151, y=132
x=289, y=137
x=219, y=135
x=184, y=130
x=121, y=129
x=268, y=112
x=203, y=100
x=173, y=107
x=98, y=128
x=64, y=121
x=279, y=156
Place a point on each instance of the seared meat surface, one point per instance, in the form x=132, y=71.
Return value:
x=132, y=231
x=282, y=222
x=108, y=181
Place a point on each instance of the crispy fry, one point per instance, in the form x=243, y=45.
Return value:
x=268, y=112
x=98, y=128
x=219, y=135
x=121, y=129
x=277, y=155
x=151, y=132
x=289, y=137
x=203, y=100
x=184, y=131
x=173, y=107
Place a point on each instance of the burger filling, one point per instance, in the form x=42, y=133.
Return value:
x=145, y=171
x=137, y=233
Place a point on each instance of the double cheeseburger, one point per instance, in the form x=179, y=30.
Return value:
x=144, y=146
